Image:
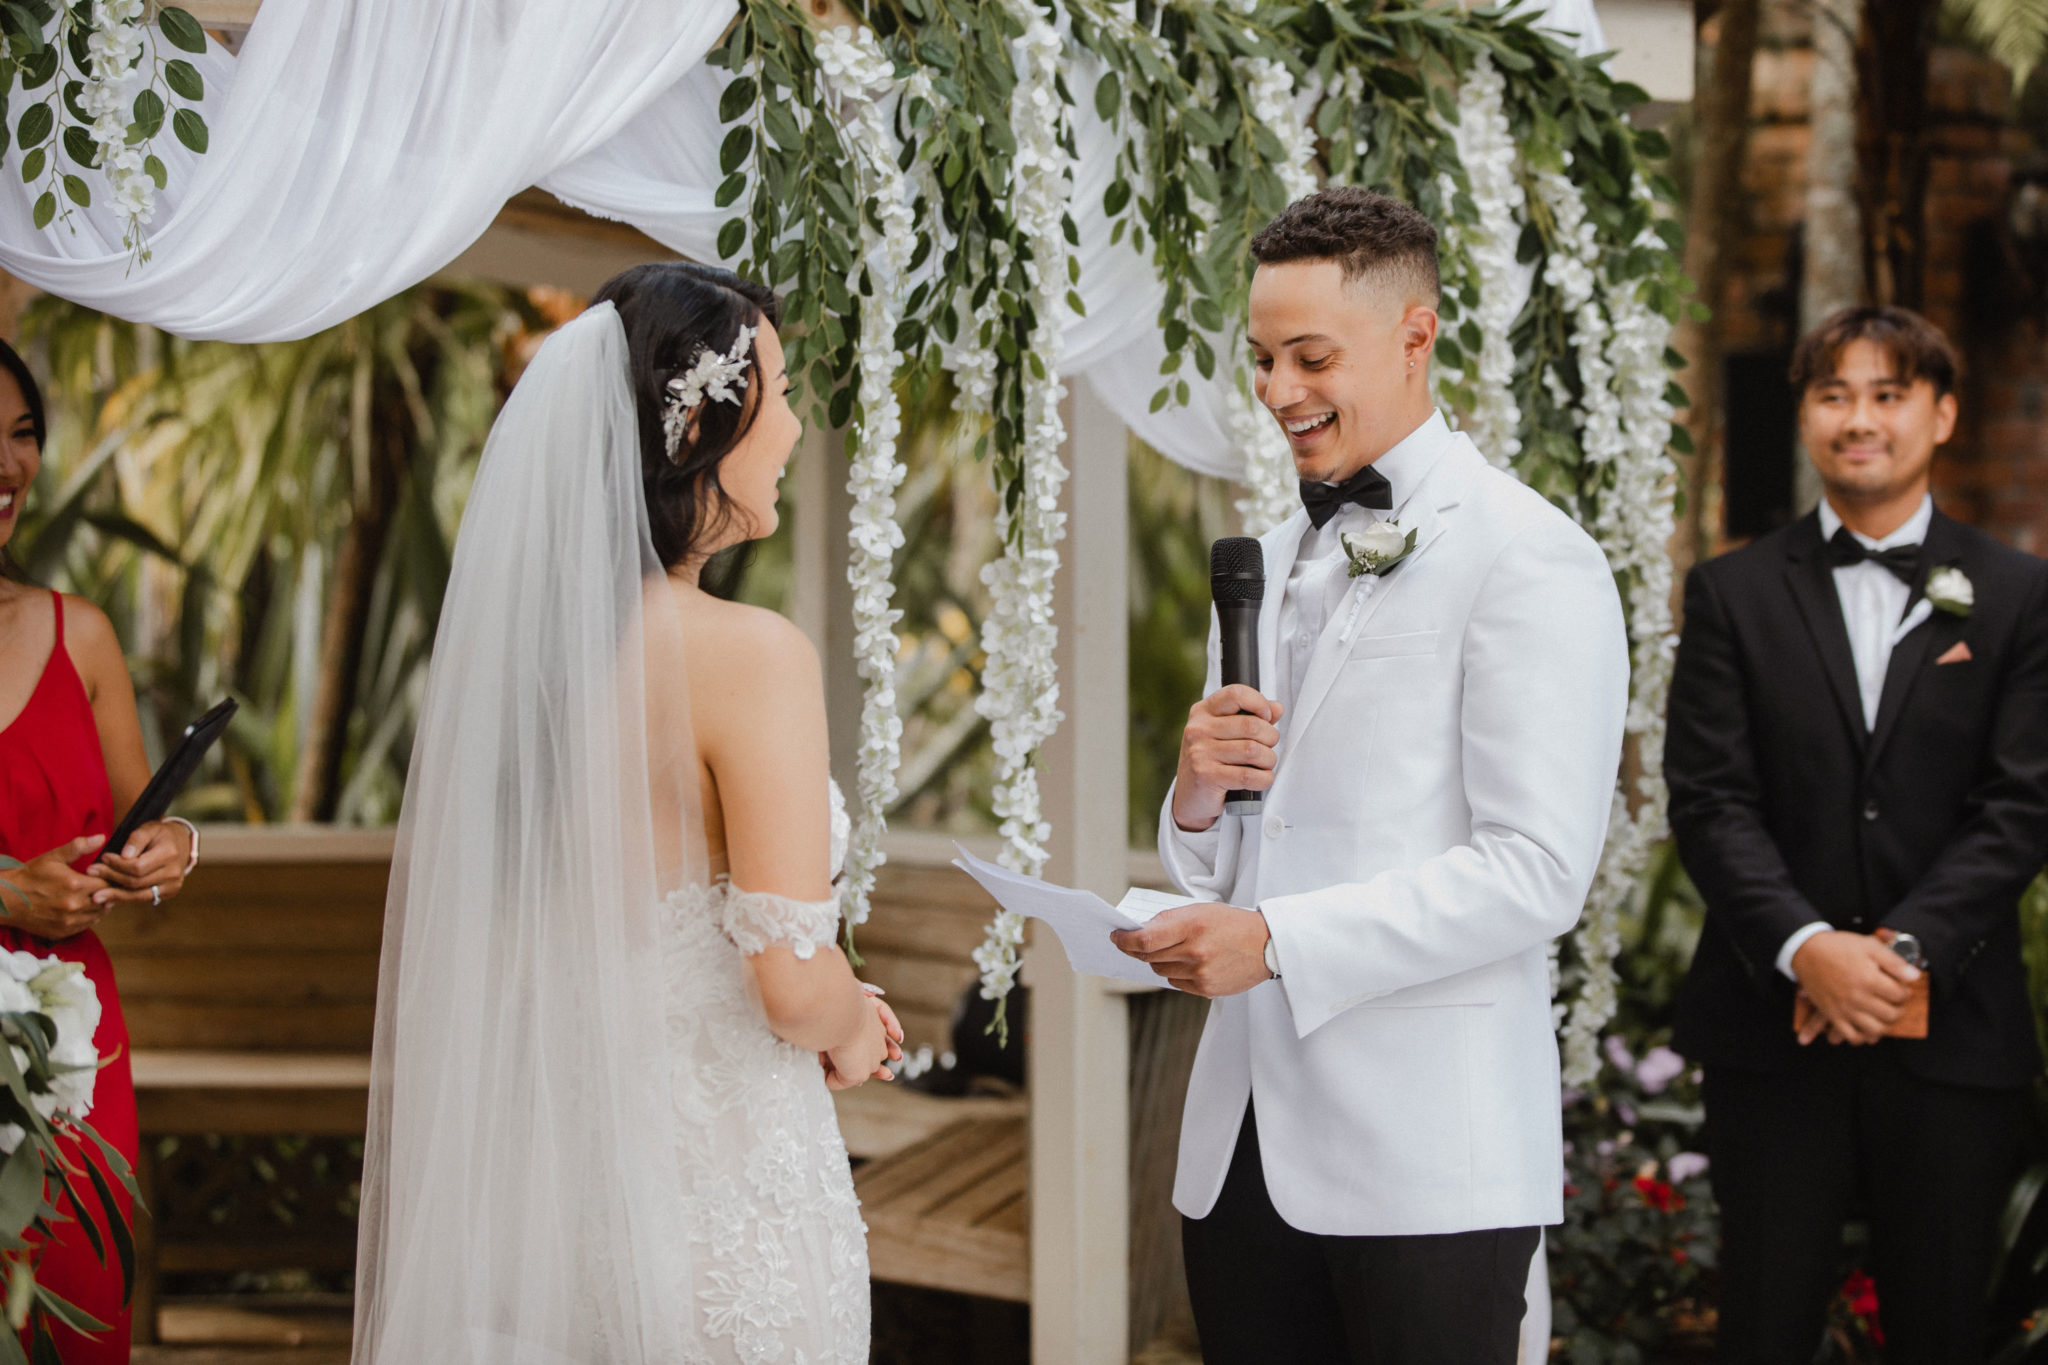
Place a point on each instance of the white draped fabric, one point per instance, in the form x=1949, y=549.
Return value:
x=358, y=146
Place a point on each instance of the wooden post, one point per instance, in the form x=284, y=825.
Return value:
x=821, y=600
x=1079, y=1049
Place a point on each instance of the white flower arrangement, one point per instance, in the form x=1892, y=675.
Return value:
x=1949, y=589
x=1624, y=423
x=1271, y=491
x=1020, y=682
x=855, y=69
x=1378, y=548
x=1486, y=146
x=1271, y=97
x=61, y=1080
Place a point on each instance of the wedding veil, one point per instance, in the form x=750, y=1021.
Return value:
x=521, y=1202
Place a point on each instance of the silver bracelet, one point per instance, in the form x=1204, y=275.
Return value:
x=192, y=829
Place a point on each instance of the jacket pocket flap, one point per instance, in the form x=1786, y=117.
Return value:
x=1393, y=646
x=1481, y=986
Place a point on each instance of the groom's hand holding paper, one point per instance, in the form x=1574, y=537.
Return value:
x=1205, y=949
x=1083, y=920
x=1230, y=744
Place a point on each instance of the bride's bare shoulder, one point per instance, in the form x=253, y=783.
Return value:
x=750, y=645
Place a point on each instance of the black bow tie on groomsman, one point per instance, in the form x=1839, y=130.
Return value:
x=1900, y=561
x=1368, y=488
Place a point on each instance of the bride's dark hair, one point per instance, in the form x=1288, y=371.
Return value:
x=672, y=310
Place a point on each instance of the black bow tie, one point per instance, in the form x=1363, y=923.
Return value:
x=1900, y=561
x=1368, y=488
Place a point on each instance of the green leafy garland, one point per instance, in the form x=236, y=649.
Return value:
x=98, y=108
x=1198, y=172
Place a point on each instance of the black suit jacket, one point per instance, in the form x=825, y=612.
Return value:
x=1787, y=810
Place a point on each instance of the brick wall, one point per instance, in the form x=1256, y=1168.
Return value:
x=1995, y=472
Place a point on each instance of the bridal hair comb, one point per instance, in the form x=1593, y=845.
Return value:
x=711, y=375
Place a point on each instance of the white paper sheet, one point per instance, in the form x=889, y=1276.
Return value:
x=1082, y=920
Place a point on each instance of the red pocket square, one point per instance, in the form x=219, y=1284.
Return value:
x=1958, y=653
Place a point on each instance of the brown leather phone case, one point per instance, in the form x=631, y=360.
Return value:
x=1912, y=1021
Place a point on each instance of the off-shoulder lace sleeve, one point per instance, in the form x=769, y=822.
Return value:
x=755, y=919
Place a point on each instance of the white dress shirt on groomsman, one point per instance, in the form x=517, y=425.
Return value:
x=1371, y=1141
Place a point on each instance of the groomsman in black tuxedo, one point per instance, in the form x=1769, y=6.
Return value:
x=1859, y=743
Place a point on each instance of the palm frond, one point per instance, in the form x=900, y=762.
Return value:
x=2015, y=32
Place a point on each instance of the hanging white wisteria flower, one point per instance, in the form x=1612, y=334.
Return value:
x=1624, y=421
x=110, y=110
x=853, y=67
x=1271, y=491
x=1486, y=146
x=1020, y=681
x=1269, y=87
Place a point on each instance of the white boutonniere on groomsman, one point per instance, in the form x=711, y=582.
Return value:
x=1378, y=548
x=1949, y=589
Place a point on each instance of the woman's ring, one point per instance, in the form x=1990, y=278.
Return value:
x=156, y=895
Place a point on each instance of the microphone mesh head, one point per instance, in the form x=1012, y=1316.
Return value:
x=1237, y=570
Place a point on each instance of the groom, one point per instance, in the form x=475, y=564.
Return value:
x=1371, y=1139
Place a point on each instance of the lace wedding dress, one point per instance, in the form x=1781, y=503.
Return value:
x=781, y=1267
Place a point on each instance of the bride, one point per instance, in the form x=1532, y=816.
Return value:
x=610, y=1007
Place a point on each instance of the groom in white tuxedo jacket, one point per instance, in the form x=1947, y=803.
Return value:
x=1371, y=1140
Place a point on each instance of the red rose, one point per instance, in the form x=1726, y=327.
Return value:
x=1659, y=1195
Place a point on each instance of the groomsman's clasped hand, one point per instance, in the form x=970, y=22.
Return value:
x=1858, y=986
x=1213, y=949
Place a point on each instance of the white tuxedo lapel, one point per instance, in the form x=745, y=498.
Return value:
x=1439, y=492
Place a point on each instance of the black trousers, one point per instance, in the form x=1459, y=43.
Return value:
x=1850, y=1131
x=1265, y=1293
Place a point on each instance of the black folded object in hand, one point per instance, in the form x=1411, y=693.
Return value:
x=170, y=779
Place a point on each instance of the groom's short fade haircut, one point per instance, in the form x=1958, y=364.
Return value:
x=1371, y=236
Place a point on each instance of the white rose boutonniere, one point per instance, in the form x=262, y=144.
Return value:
x=1378, y=548
x=1950, y=590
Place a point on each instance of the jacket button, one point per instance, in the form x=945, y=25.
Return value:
x=1274, y=826
x=1870, y=809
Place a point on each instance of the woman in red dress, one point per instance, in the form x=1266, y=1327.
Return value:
x=71, y=763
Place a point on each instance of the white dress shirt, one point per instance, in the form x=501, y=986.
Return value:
x=1874, y=610
x=1320, y=575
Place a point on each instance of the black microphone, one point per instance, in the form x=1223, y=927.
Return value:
x=1237, y=582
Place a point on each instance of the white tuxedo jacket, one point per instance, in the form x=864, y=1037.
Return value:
x=1441, y=799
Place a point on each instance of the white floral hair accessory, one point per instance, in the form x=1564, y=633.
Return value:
x=720, y=377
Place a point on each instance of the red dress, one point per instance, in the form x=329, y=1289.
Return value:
x=53, y=789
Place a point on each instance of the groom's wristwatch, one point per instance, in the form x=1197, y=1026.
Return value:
x=1272, y=958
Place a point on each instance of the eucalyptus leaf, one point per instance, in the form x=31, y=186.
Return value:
x=184, y=80
x=149, y=113
x=37, y=122
x=191, y=130
x=181, y=29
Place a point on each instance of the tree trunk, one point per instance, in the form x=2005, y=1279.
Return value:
x=1836, y=265
x=318, y=789
x=1893, y=53
x=1714, y=222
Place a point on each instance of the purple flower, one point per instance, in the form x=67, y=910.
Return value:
x=1570, y=1096
x=1618, y=1053
x=1685, y=1166
x=1627, y=1112
x=1660, y=1067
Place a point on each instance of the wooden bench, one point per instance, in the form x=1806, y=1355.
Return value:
x=251, y=1000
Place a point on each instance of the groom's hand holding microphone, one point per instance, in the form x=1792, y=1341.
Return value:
x=1228, y=753
x=1211, y=949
